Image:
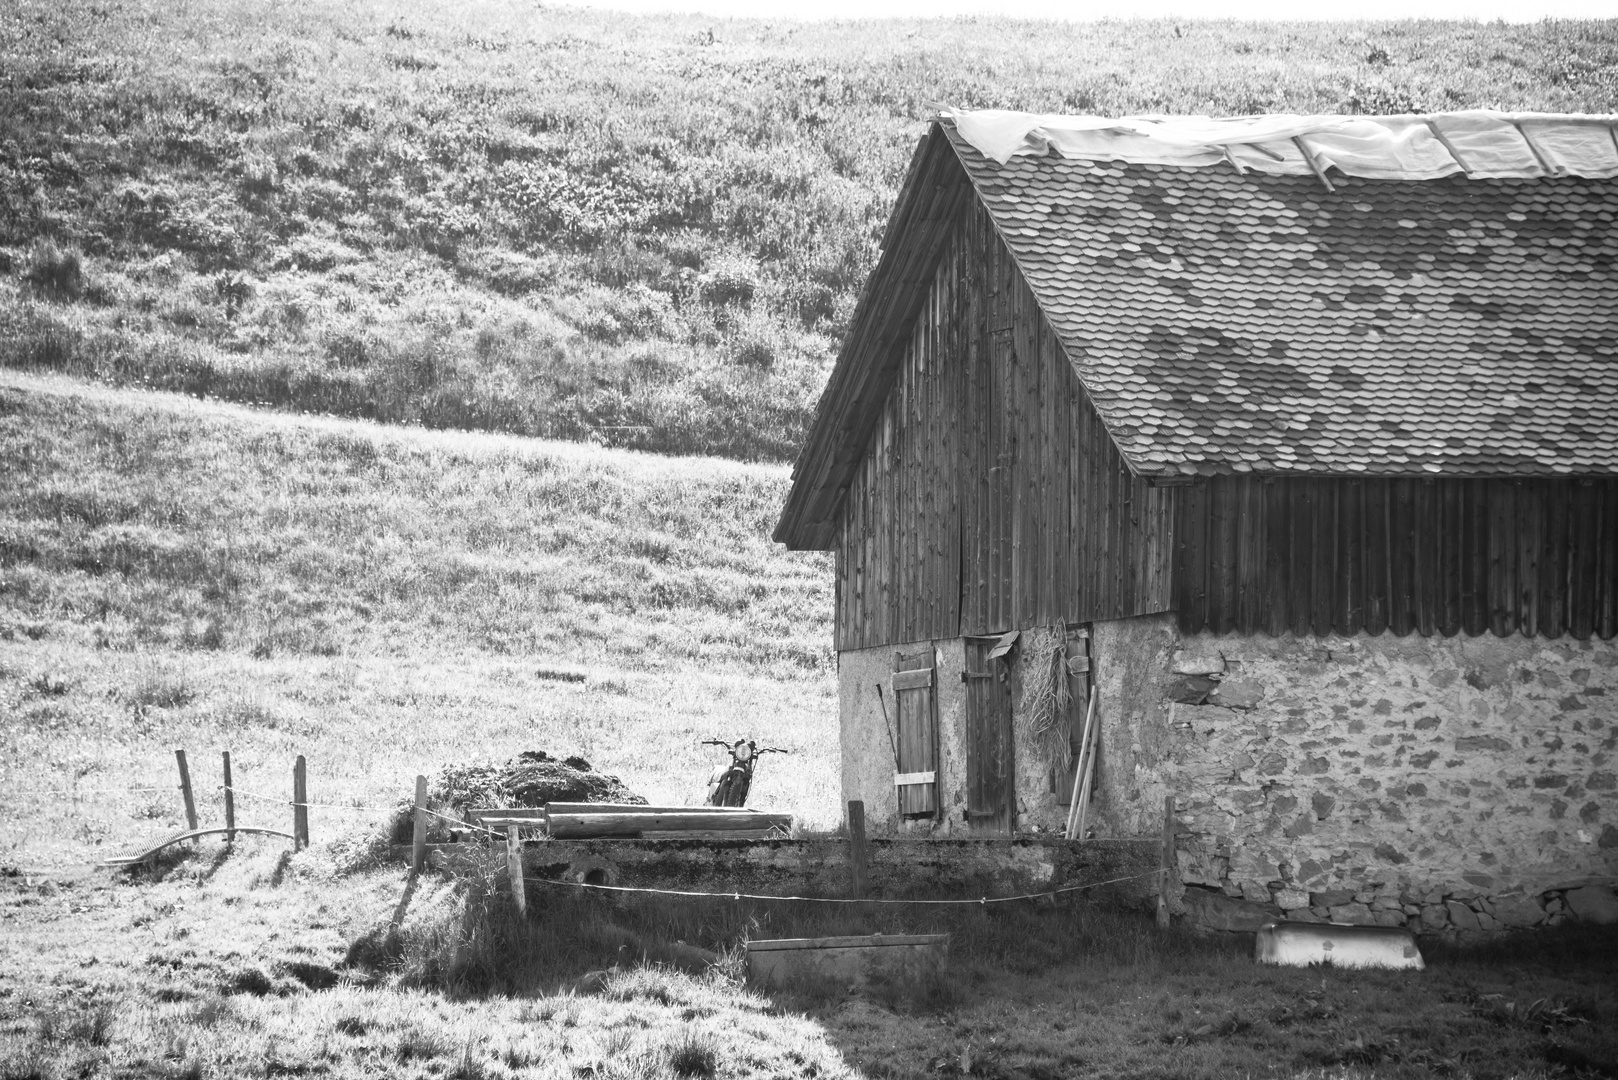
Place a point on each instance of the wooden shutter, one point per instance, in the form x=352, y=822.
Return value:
x=914, y=692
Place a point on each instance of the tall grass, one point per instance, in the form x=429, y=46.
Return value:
x=640, y=231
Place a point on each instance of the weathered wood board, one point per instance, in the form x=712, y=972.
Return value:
x=852, y=961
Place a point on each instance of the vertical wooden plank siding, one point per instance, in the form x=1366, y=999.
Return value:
x=1326, y=553
x=1297, y=532
x=1402, y=555
x=1374, y=549
x=1553, y=559
x=991, y=496
x=1475, y=560
x=1416, y=604
x=1450, y=524
x=1584, y=509
x=1351, y=556
x=1606, y=589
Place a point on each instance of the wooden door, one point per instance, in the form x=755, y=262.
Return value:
x=917, y=779
x=989, y=788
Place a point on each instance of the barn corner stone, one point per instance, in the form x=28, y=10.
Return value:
x=1594, y=904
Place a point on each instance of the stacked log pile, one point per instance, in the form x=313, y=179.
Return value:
x=593, y=821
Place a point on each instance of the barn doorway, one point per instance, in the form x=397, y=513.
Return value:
x=990, y=791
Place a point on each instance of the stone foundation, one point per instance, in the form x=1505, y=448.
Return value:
x=1456, y=785
x=1450, y=785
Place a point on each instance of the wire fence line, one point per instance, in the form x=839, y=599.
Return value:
x=982, y=901
x=75, y=792
x=734, y=896
x=284, y=801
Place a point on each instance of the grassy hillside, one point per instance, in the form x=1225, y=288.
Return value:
x=642, y=231
x=384, y=601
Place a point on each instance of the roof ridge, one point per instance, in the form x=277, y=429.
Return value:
x=1480, y=143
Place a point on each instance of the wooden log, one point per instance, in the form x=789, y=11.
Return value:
x=1165, y=863
x=1089, y=776
x=300, y=803
x=616, y=808
x=708, y=834
x=185, y=790
x=418, y=845
x=514, y=870
x=856, y=849
x=230, y=802
x=521, y=821
x=583, y=826
x=1085, y=749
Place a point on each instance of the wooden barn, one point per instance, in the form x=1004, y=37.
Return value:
x=1296, y=440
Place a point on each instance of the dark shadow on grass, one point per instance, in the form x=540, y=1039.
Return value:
x=220, y=856
x=162, y=864
x=279, y=874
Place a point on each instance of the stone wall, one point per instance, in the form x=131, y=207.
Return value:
x=1461, y=783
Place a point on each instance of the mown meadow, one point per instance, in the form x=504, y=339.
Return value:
x=642, y=231
x=383, y=601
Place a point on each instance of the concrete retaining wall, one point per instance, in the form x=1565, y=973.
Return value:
x=897, y=868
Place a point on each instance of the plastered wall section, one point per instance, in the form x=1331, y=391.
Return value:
x=1459, y=766
x=869, y=735
x=868, y=753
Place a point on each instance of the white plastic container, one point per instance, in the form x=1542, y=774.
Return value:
x=1301, y=944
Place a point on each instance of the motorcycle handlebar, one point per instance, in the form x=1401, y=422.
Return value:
x=757, y=750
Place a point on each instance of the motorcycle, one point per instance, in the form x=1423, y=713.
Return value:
x=729, y=784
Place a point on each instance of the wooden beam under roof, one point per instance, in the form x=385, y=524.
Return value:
x=930, y=203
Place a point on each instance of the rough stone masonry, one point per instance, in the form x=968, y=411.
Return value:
x=1448, y=784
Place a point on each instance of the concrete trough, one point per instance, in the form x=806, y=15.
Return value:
x=851, y=961
x=1299, y=944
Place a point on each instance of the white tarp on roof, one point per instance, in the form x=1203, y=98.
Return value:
x=1479, y=143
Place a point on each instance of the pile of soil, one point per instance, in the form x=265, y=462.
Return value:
x=532, y=778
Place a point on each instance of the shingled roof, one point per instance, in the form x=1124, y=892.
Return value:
x=1224, y=320
x=1247, y=322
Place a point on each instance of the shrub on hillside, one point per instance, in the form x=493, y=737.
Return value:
x=54, y=273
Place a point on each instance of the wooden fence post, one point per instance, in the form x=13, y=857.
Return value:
x=856, y=848
x=185, y=791
x=230, y=802
x=300, y=804
x=514, y=868
x=1166, y=863
x=418, y=846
